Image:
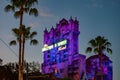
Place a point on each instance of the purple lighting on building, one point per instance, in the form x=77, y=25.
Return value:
x=93, y=69
x=60, y=49
x=62, y=58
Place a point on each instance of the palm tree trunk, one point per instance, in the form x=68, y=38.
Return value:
x=20, y=75
x=20, y=62
x=100, y=63
x=23, y=49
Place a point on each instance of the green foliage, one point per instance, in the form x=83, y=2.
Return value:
x=98, y=45
x=9, y=71
x=13, y=42
x=27, y=35
x=33, y=42
x=89, y=49
x=9, y=8
x=33, y=67
x=33, y=11
x=17, y=14
x=22, y=6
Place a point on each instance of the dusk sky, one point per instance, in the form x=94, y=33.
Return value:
x=96, y=17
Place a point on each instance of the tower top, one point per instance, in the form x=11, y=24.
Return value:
x=63, y=22
x=45, y=31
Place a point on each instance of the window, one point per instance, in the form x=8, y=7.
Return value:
x=48, y=51
x=58, y=34
x=48, y=56
x=62, y=70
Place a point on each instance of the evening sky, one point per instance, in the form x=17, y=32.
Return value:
x=96, y=17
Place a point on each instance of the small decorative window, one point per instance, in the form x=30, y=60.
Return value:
x=48, y=56
x=61, y=70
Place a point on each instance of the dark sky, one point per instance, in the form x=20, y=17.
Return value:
x=96, y=17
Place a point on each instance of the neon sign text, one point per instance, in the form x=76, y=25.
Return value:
x=61, y=43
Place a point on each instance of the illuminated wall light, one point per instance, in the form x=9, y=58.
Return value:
x=45, y=45
x=105, y=70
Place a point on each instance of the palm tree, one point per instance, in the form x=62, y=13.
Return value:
x=19, y=7
x=99, y=45
x=27, y=35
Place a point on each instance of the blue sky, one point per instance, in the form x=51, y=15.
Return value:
x=96, y=17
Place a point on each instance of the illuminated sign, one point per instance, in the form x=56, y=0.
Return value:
x=61, y=43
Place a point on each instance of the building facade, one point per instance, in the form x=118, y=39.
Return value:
x=61, y=55
x=93, y=68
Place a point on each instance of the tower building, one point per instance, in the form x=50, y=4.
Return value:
x=61, y=50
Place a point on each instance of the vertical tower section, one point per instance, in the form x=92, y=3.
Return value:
x=69, y=30
x=60, y=47
x=73, y=38
x=74, y=33
x=46, y=41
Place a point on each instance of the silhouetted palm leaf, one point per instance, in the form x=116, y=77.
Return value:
x=33, y=34
x=99, y=44
x=26, y=35
x=89, y=49
x=33, y=11
x=17, y=14
x=109, y=50
x=33, y=42
x=9, y=8
x=13, y=43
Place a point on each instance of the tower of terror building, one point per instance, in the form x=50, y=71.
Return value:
x=61, y=50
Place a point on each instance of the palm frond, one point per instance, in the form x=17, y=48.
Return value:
x=96, y=50
x=92, y=43
x=33, y=11
x=16, y=32
x=109, y=50
x=26, y=32
x=33, y=34
x=99, y=40
x=15, y=3
x=104, y=40
x=99, y=44
x=26, y=9
x=13, y=43
x=108, y=44
x=33, y=42
x=17, y=14
x=9, y=8
x=31, y=2
x=103, y=48
x=88, y=50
